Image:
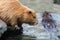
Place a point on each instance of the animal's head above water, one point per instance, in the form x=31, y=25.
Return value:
x=29, y=17
x=46, y=14
x=12, y=10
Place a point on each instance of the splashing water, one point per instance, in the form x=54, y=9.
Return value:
x=38, y=30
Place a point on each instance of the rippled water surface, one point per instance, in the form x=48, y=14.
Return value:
x=38, y=32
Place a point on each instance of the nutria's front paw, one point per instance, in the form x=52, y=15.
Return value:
x=17, y=27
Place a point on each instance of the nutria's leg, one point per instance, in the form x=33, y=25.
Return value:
x=16, y=26
x=13, y=23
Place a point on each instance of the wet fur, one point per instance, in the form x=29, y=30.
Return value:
x=12, y=10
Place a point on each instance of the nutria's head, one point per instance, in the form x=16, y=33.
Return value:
x=29, y=17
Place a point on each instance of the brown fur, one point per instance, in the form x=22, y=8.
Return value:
x=12, y=11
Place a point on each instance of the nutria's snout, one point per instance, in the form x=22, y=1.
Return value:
x=34, y=23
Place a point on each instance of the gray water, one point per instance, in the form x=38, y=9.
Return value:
x=38, y=32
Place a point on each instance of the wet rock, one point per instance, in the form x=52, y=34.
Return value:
x=9, y=34
x=3, y=27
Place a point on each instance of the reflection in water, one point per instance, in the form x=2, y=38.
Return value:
x=37, y=32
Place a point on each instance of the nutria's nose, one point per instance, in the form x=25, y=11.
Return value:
x=36, y=22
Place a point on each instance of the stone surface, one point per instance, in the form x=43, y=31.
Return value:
x=3, y=27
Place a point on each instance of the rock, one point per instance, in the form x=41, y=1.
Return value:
x=3, y=27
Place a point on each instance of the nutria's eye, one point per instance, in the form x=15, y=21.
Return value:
x=29, y=12
x=34, y=17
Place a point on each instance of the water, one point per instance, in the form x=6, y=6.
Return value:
x=38, y=32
